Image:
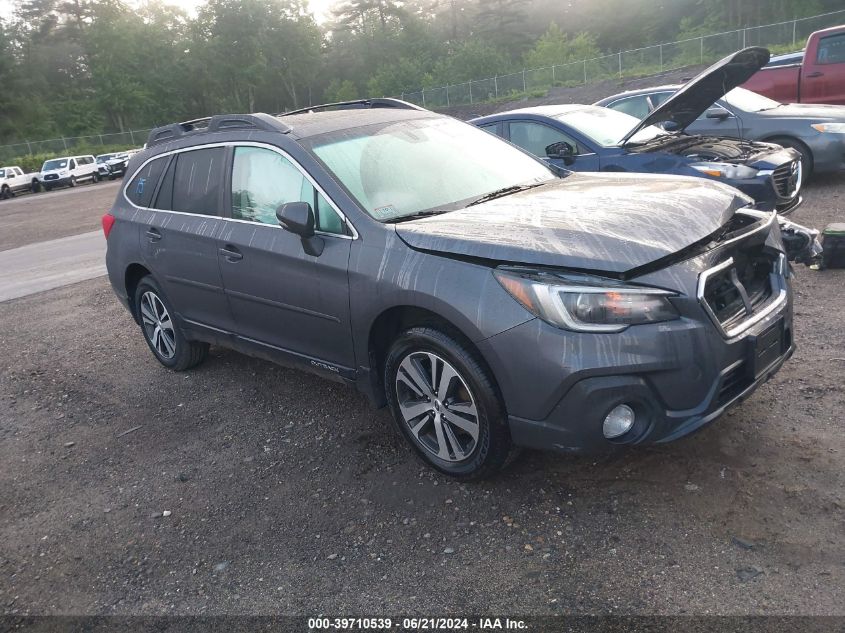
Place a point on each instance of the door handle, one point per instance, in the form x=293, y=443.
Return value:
x=231, y=253
x=818, y=73
x=153, y=234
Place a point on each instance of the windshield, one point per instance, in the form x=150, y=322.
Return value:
x=607, y=127
x=748, y=101
x=57, y=163
x=403, y=168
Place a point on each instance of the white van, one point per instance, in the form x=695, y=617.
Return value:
x=61, y=172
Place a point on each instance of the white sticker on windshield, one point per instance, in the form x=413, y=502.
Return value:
x=386, y=212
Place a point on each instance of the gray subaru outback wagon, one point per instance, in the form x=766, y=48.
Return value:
x=491, y=302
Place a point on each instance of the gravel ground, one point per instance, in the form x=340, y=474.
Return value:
x=30, y=218
x=285, y=494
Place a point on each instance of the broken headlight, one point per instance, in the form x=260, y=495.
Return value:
x=586, y=303
x=725, y=170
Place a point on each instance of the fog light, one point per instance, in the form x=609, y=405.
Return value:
x=618, y=422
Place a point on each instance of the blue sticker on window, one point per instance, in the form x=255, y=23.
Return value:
x=140, y=188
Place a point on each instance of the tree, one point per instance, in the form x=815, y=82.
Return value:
x=555, y=47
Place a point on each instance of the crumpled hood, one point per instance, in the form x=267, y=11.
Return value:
x=703, y=90
x=598, y=222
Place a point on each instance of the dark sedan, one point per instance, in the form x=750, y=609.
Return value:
x=816, y=131
x=591, y=138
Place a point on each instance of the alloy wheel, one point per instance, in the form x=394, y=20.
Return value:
x=438, y=406
x=158, y=326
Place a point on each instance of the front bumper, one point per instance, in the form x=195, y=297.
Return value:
x=677, y=376
x=61, y=181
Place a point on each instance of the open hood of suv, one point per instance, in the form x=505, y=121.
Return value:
x=597, y=222
x=701, y=92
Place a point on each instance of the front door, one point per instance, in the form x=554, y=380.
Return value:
x=535, y=137
x=281, y=297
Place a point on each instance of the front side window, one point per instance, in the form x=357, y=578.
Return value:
x=400, y=168
x=263, y=180
x=536, y=137
x=831, y=49
x=141, y=188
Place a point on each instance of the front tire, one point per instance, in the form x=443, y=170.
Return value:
x=72, y=182
x=163, y=335
x=5, y=192
x=446, y=404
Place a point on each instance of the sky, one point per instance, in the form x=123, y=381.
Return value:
x=320, y=8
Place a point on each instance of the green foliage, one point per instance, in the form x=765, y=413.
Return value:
x=556, y=47
x=84, y=67
x=472, y=59
x=340, y=90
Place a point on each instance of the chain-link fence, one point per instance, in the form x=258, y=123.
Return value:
x=781, y=37
x=74, y=145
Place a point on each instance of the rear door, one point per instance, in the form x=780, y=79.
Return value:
x=823, y=74
x=281, y=297
x=179, y=236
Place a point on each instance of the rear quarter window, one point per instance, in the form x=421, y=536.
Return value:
x=141, y=188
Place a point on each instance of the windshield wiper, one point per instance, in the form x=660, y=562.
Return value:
x=504, y=191
x=415, y=216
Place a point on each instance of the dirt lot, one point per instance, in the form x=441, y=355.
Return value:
x=30, y=218
x=286, y=494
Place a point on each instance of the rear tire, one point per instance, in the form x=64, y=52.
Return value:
x=806, y=155
x=446, y=404
x=161, y=331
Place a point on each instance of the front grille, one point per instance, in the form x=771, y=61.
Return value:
x=740, y=288
x=787, y=178
x=51, y=177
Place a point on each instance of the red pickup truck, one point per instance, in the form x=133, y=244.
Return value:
x=816, y=75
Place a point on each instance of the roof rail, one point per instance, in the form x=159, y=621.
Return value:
x=216, y=123
x=358, y=104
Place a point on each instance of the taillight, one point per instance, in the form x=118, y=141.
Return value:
x=108, y=222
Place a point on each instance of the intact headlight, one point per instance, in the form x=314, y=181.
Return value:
x=831, y=128
x=585, y=303
x=725, y=170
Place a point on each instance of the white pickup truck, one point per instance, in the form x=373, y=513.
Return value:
x=13, y=179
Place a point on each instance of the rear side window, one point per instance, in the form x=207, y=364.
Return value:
x=192, y=182
x=831, y=49
x=142, y=187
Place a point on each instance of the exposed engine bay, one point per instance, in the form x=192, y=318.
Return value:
x=707, y=148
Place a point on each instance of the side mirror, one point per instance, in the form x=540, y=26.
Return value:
x=718, y=112
x=298, y=218
x=562, y=150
